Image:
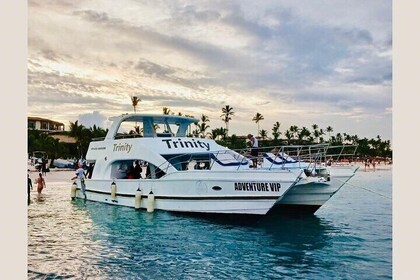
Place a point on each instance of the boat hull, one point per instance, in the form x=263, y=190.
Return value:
x=201, y=193
x=308, y=196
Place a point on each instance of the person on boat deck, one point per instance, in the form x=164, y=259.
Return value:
x=130, y=172
x=254, y=150
x=89, y=171
x=137, y=170
x=80, y=174
x=40, y=184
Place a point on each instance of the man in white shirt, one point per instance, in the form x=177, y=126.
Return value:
x=80, y=174
x=254, y=150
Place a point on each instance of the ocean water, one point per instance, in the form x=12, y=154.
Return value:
x=350, y=237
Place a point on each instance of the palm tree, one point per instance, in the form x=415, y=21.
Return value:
x=321, y=132
x=339, y=138
x=226, y=116
x=303, y=134
x=289, y=136
x=329, y=129
x=294, y=130
x=203, y=125
x=166, y=110
x=214, y=133
x=263, y=134
x=276, y=130
x=316, y=131
x=257, y=118
x=135, y=101
x=76, y=130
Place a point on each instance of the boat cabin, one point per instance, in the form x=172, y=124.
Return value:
x=163, y=146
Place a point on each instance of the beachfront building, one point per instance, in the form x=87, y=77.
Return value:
x=44, y=125
x=48, y=139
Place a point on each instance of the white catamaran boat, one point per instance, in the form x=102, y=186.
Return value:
x=321, y=181
x=179, y=173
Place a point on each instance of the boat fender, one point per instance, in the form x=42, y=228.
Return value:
x=73, y=190
x=150, y=202
x=113, y=192
x=137, y=199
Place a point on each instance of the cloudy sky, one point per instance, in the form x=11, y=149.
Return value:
x=296, y=62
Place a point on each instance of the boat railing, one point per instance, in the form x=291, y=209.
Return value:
x=340, y=154
x=309, y=158
x=119, y=136
x=301, y=156
x=290, y=156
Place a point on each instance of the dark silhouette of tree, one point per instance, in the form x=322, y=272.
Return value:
x=226, y=116
x=257, y=118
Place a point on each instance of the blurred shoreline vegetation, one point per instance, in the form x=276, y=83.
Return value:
x=294, y=135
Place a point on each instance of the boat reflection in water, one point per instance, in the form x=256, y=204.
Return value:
x=157, y=240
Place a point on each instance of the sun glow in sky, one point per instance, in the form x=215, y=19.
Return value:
x=296, y=62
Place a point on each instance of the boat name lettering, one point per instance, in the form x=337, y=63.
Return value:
x=122, y=147
x=186, y=144
x=98, y=148
x=255, y=186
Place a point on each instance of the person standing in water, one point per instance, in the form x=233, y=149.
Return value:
x=40, y=184
x=80, y=174
x=30, y=187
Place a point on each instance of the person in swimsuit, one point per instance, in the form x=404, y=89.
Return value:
x=40, y=184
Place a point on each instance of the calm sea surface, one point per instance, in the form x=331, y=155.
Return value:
x=350, y=237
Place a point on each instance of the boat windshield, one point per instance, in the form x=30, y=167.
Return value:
x=203, y=161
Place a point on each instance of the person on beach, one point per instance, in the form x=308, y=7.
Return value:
x=80, y=174
x=254, y=150
x=40, y=184
x=44, y=167
x=30, y=187
x=374, y=164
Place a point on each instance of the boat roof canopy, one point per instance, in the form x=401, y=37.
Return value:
x=149, y=121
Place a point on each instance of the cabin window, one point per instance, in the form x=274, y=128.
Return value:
x=124, y=169
x=189, y=161
x=120, y=169
x=153, y=172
